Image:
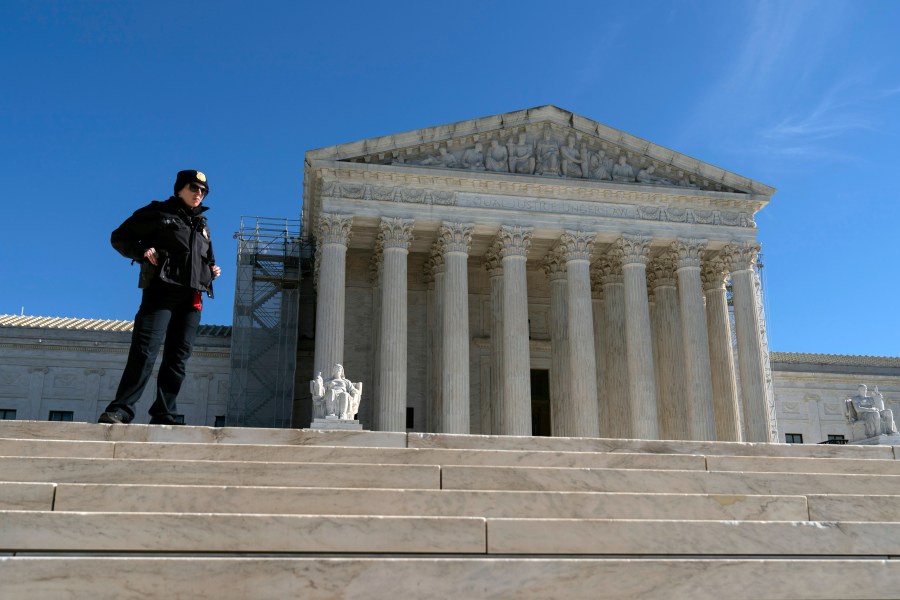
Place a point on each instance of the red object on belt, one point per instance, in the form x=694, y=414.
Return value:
x=198, y=300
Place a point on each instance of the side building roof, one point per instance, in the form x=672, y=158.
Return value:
x=93, y=324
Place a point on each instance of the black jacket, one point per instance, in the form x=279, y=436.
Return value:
x=181, y=237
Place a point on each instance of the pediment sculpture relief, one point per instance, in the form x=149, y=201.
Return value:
x=548, y=152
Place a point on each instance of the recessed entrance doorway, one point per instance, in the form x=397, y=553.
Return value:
x=540, y=402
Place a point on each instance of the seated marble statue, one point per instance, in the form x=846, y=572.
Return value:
x=871, y=412
x=497, y=157
x=547, y=151
x=473, y=158
x=336, y=397
x=521, y=156
x=571, y=159
x=623, y=171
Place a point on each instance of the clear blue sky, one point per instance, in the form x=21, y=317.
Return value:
x=104, y=101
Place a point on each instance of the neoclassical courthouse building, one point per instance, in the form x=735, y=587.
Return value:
x=534, y=272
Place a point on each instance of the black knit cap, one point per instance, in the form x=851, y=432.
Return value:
x=185, y=177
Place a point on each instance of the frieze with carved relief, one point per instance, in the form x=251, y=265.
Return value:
x=546, y=151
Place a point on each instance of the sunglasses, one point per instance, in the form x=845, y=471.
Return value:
x=197, y=188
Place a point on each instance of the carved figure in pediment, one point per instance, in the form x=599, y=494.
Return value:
x=572, y=158
x=687, y=182
x=622, y=171
x=547, y=151
x=648, y=175
x=443, y=159
x=600, y=166
x=521, y=156
x=497, y=158
x=473, y=158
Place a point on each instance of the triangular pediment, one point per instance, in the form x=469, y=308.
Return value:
x=543, y=142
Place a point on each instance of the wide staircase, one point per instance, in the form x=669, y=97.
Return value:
x=135, y=511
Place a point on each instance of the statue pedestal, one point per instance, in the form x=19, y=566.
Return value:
x=334, y=423
x=879, y=440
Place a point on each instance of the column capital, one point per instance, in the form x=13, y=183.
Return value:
x=455, y=237
x=334, y=228
x=714, y=274
x=741, y=257
x=688, y=251
x=514, y=240
x=635, y=249
x=608, y=268
x=492, y=262
x=661, y=270
x=395, y=233
x=576, y=245
x=554, y=265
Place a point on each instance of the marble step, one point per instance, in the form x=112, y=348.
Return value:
x=336, y=454
x=661, y=481
x=361, y=578
x=432, y=503
x=303, y=437
x=555, y=444
x=370, y=501
x=96, y=432
x=441, y=456
x=27, y=531
x=523, y=579
x=188, y=472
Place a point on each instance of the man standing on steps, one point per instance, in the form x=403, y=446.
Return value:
x=171, y=241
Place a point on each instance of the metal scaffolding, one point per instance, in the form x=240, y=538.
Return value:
x=264, y=334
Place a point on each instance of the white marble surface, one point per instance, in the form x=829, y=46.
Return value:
x=710, y=538
x=73, y=449
x=854, y=508
x=437, y=440
x=803, y=465
x=86, y=470
x=645, y=480
x=523, y=579
x=205, y=435
x=426, y=456
x=26, y=496
x=199, y=532
x=431, y=503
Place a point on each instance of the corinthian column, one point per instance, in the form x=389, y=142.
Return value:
x=698, y=384
x=634, y=251
x=394, y=239
x=575, y=248
x=600, y=351
x=560, y=393
x=714, y=274
x=333, y=237
x=513, y=244
x=670, y=349
x=740, y=260
x=435, y=267
x=495, y=271
x=615, y=418
x=455, y=241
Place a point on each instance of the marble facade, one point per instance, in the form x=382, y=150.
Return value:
x=453, y=262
